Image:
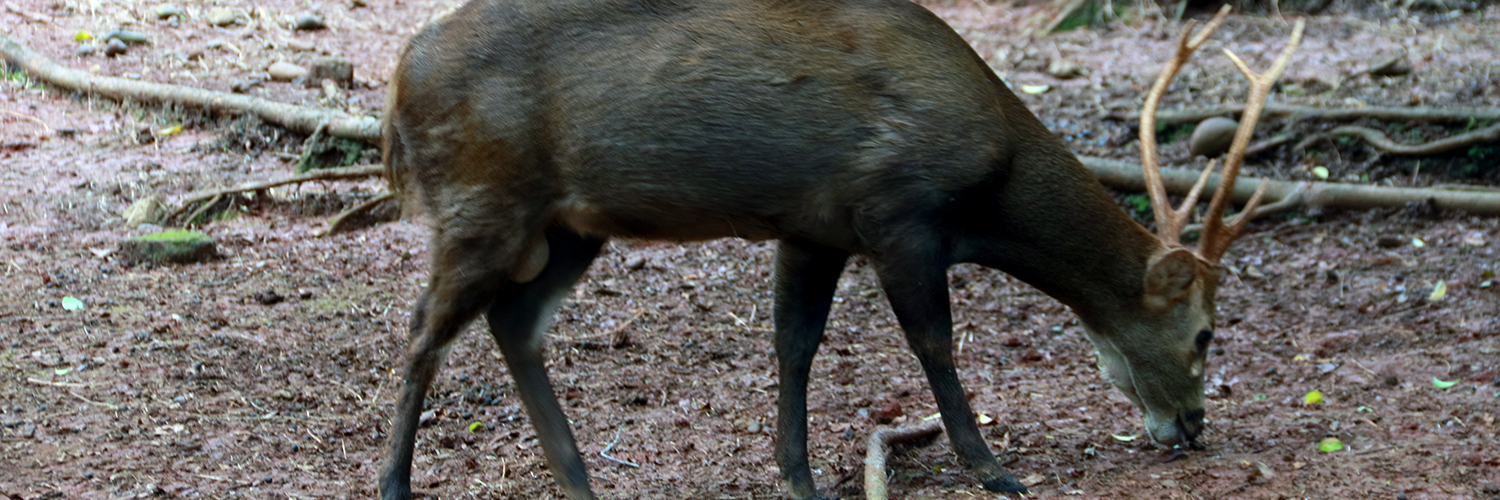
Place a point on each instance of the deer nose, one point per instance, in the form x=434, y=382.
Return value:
x=1190, y=425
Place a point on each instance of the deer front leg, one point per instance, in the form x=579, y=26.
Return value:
x=915, y=279
x=806, y=277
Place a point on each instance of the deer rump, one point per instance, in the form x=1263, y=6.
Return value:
x=530, y=131
x=698, y=120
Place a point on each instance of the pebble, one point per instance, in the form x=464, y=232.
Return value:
x=308, y=22
x=29, y=431
x=214, y=44
x=285, y=71
x=635, y=263
x=129, y=37
x=114, y=47
x=222, y=17
x=753, y=428
x=167, y=10
x=1064, y=69
x=1212, y=137
x=242, y=86
x=355, y=4
x=84, y=50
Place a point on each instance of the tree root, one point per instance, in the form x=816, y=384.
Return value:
x=880, y=447
x=1330, y=114
x=1127, y=176
x=292, y=117
x=1379, y=141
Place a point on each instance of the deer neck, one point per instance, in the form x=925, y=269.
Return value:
x=1050, y=224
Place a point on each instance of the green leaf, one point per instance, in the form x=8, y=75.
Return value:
x=1330, y=445
x=1125, y=438
x=1443, y=384
x=72, y=303
x=1320, y=171
x=476, y=427
x=1438, y=291
x=1313, y=398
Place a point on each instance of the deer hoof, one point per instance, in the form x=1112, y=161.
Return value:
x=1005, y=484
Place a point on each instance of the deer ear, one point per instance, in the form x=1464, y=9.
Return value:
x=1170, y=275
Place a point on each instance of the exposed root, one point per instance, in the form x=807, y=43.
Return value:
x=1419, y=114
x=880, y=447
x=1379, y=141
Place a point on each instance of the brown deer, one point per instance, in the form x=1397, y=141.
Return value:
x=530, y=131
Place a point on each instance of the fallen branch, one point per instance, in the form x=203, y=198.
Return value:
x=1332, y=114
x=318, y=175
x=1128, y=176
x=340, y=223
x=880, y=447
x=292, y=117
x=1378, y=140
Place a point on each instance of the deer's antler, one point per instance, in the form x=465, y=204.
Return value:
x=1217, y=233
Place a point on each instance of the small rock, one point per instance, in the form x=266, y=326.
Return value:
x=115, y=48
x=1212, y=137
x=355, y=4
x=84, y=50
x=149, y=210
x=28, y=431
x=308, y=22
x=174, y=246
x=129, y=37
x=166, y=11
x=336, y=68
x=214, y=45
x=285, y=71
x=1064, y=69
x=1388, y=241
x=1391, y=380
x=753, y=428
x=1396, y=65
x=242, y=86
x=427, y=418
x=300, y=45
x=635, y=263
x=1012, y=342
x=222, y=18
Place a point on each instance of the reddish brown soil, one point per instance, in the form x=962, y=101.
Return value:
x=193, y=381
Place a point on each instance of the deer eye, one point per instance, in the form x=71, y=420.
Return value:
x=1204, y=337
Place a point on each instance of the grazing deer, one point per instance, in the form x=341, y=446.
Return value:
x=530, y=131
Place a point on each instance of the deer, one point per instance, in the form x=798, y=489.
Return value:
x=529, y=132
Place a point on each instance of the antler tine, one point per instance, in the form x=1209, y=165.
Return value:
x=1216, y=235
x=1169, y=222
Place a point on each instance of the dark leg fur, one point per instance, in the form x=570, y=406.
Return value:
x=806, y=277
x=915, y=280
x=518, y=320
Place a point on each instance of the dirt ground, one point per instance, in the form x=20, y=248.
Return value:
x=270, y=371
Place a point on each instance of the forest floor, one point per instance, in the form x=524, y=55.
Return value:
x=270, y=372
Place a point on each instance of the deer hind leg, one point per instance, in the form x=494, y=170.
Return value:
x=915, y=279
x=470, y=265
x=518, y=321
x=806, y=277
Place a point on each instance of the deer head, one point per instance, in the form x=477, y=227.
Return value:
x=1165, y=379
